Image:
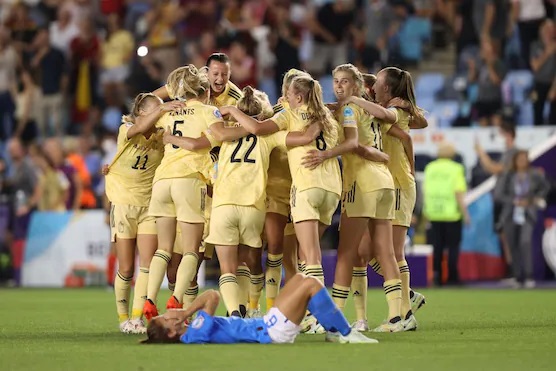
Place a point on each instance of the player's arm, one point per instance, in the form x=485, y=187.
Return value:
x=252, y=125
x=207, y=302
x=407, y=143
x=145, y=122
x=302, y=138
x=418, y=122
x=372, y=154
x=190, y=144
x=314, y=157
x=374, y=109
x=492, y=167
x=227, y=134
x=162, y=93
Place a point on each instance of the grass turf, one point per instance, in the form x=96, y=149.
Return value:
x=459, y=330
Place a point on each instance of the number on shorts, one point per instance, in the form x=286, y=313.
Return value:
x=321, y=144
x=144, y=166
x=177, y=132
x=249, y=150
x=271, y=321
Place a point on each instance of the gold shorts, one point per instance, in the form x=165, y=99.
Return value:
x=403, y=206
x=180, y=198
x=232, y=225
x=277, y=206
x=377, y=204
x=127, y=221
x=313, y=204
x=207, y=248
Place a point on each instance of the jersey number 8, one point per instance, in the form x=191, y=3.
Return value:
x=321, y=144
x=246, y=158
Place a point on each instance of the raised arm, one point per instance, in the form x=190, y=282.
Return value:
x=145, y=122
x=492, y=167
x=227, y=134
x=252, y=125
x=314, y=158
x=407, y=143
x=207, y=302
x=302, y=138
x=162, y=93
x=374, y=109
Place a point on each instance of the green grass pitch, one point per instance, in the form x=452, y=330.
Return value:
x=462, y=329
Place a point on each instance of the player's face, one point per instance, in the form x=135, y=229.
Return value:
x=380, y=88
x=344, y=85
x=172, y=321
x=219, y=75
x=293, y=97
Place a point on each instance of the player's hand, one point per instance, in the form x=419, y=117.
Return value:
x=171, y=106
x=332, y=106
x=314, y=158
x=166, y=137
x=22, y=210
x=226, y=110
x=105, y=169
x=399, y=102
x=384, y=158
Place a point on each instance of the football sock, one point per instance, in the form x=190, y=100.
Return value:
x=230, y=292
x=273, y=278
x=122, y=289
x=359, y=285
x=171, y=286
x=301, y=266
x=327, y=313
x=140, y=293
x=340, y=295
x=405, y=276
x=393, y=291
x=190, y=295
x=243, y=281
x=376, y=266
x=316, y=271
x=255, y=290
x=110, y=268
x=186, y=272
x=157, y=270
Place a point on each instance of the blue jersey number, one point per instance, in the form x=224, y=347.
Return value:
x=271, y=321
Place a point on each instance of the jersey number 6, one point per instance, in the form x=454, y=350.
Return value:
x=246, y=158
x=177, y=132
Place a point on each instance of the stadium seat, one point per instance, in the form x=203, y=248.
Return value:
x=428, y=84
x=471, y=51
x=519, y=84
x=446, y=112
x=426, y=103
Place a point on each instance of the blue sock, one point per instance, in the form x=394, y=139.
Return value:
x=327, y=313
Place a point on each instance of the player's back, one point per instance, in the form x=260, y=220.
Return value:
x=325, y=176
x=129, y=181
x=243, y=170
x=399, y=163
x=191, y=121
x=225, y=330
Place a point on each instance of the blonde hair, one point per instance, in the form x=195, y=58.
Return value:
x=187, y=82
x=255, y=103
x=138, y=104
x=355, y=75
x=311, y=93
x=289, y=76
x=400, y=85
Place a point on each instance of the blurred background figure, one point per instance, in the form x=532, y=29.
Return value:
x=444, y=206
x=522, y=192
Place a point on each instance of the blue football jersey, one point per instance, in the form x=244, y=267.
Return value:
x=225, y=330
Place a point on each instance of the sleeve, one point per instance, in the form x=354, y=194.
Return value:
x=277, y=108
x=278, y=139
x=461, y=184
x=282, y=119
x=122, y=133
x=348, y=117
x=212, y=117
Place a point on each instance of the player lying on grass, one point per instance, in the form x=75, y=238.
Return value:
x=280, y=325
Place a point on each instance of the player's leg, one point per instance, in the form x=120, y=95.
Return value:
x=229, y=289
x=125, y=252
x=243, y=274
x=308, y=235
x=172, y=269
x=359, y=282
x=111, y=261
x=290, y=254
x=254, y=261
x=274, y=230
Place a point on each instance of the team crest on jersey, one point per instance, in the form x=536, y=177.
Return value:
x=198, y=322
x=217, y=114
x=348, y=111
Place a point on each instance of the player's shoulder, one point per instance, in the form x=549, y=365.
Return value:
x=210, y=111
x=277, y=108
x=234, y=91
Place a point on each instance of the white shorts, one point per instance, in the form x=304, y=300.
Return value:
x=280, y=329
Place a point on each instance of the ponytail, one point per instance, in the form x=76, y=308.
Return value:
x=400, y=84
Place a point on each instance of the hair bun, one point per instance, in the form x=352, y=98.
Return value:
x=248, y=91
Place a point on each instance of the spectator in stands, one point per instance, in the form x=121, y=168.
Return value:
x=543, y=63
x=23, y=28
x=9, y=61
x=243, y=65
x=53, y=184
x=528, y=15
x=54, y=152
x=51, y=65
x=444, y=206
x=330, y=25
x=466, y=36
x=117, y=51
x=74, y=157
x=63, y=30
x=162, y=37
x=28, y=111
x=522, y=193
x=146, y=75
x=491, y=20
x=377, y=29
x=488, y=74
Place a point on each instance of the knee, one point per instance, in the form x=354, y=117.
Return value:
x=311, y=284
x=126, y=271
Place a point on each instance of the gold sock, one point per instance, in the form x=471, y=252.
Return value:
x=273, y=278
x=190, y=295
x=405, y=276
x=376, y=266
x=316, y=271
x=255, y=290
x=229, y=290
x=393, y=291
x=140, y=293
x=171, y=286
x=157, y=270
x=301, y=266
x=340, y=295
x=122, y=289
x=359, y=285
x=186, y=272
x=243, y=281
